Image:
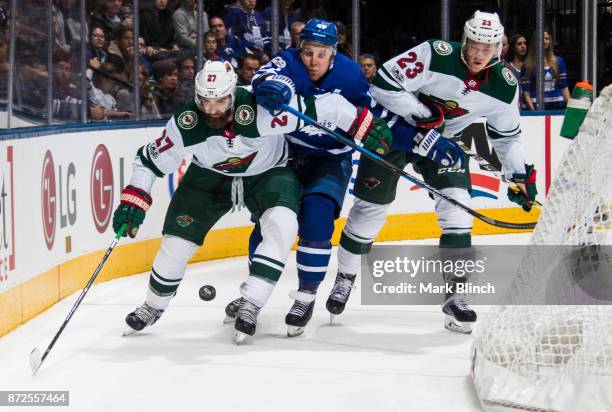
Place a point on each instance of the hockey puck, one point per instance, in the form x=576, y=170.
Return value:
x=207, y=292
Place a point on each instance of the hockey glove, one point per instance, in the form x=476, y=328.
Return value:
x=372, y=131
x=272, y=94
x=527, y=192
x=441, y=150
x=134, y=203
x=437, y=118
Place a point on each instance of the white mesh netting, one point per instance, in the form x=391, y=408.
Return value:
x=559, y=357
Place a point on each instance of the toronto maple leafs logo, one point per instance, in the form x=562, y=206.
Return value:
x=315, y=131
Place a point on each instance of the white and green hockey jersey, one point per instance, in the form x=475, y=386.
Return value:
x=434, y=70
x=251, y=144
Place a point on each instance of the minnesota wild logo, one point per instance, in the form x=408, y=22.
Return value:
x=188, y=120
x=244, y=115
x=509, y=76
x=451, y=107
x=235, y=164
x=184, y=220
x=442, y=48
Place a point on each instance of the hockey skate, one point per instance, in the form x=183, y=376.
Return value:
x=231, y=310
x=246, y=320
x=339, y=295
x=140, y=318
x=300, y=313
x=459, y=317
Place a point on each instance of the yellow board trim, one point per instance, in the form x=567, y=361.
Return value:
x=26, y=300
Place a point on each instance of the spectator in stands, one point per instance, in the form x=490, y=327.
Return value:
x=505, y=47
x=96, y=49
x=107, y=15
x=186, y=67
x=368, y=66
x=148, y=108
x=287, y=16
x=186, y=75
x=229, y=47
x=156, y=26
x=296, y=29
x=247, y=67
x=243, y=21
x=123, y=47
x=210, y=46
x=67, y=26
x=556, y=93
x=165, y=73
x=66, y=98
x=517, y=50
x=185, y=24
x=31, y=79
x=102, y=105
x=343, y=45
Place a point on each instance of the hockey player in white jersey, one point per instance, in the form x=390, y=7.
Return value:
x=445, y=86
x=239, y=158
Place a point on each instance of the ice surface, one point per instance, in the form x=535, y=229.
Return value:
x=383, y=358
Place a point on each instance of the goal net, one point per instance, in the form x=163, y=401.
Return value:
x=559, y=357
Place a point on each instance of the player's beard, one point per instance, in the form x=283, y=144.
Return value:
x=219, y=122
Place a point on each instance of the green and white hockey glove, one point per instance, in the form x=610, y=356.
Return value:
x=372, y=132
x=527, y=192
x=133, y=206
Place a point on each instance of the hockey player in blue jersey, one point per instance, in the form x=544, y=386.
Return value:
x=322, y=164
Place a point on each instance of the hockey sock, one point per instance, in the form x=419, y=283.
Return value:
x=363, y=224
x=278, y=229
x=316, y=223
x=254, y=241
x=168, y=270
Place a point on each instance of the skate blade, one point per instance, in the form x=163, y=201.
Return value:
x=229, y=319
x=452, y=324
x=129, y=331
x=239, y=337
x=332, y=319
x=293, y=331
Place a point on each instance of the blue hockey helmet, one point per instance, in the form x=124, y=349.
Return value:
x=320, y=31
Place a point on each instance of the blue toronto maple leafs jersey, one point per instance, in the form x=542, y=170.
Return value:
x=345, y=78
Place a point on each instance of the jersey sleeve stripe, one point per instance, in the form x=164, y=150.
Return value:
x=384, y=81
x=146, y=162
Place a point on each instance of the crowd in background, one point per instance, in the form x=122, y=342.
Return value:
x=240, y=33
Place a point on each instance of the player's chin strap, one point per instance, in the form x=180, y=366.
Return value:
x=407, y=176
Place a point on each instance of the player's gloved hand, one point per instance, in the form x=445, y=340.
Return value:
x=372, y=131
x=430, y=144
x=527, y=192
x=134, y=203
x=437, y=118
x=272, y=94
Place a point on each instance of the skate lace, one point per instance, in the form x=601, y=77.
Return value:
x=461, y=301
x=248, y=312
x=148, y=314
x=341, y=289
x=299, y=308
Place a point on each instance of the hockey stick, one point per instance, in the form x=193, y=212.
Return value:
x=488, y=167
x=36, y=359
x=409, y=177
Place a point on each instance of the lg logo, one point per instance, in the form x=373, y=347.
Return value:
x=101, y=188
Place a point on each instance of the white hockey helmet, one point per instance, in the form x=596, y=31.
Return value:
x=483, y=28
x=216, y=79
